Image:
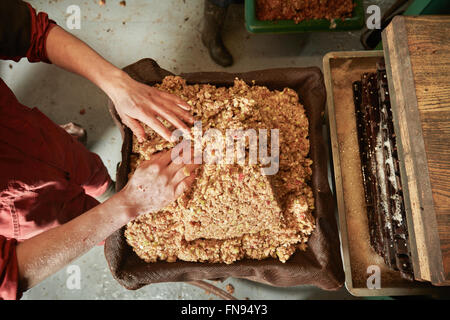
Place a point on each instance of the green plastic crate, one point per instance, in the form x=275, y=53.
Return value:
x=289, y=26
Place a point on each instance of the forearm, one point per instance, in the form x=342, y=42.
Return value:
x=135, y=103
x=45, y=254
x=72, y=54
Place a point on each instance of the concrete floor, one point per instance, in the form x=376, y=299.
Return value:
x=169, y=32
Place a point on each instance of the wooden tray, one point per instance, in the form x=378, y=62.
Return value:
x=340, y=70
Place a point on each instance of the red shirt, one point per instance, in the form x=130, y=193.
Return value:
x=46, y=177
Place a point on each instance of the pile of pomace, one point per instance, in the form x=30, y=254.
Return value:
x=233, y=211
x=300, y=10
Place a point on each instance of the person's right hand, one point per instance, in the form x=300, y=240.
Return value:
x=156, y=183
x=136, y=102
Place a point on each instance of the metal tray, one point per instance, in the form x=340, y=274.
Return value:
x=289, y=26
x=340, y=70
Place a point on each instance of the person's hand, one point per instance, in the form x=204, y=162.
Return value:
x=136, y=102
x=133, y=100
x=156, y=183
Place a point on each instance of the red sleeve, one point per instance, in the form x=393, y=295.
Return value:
x=40, y=27
x=23, y=32
x=9, y=271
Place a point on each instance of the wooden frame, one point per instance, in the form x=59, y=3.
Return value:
x=410, y=46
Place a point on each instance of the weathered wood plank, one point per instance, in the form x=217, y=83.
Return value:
x=418, y=51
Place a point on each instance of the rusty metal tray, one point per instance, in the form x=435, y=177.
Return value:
x=359, y=259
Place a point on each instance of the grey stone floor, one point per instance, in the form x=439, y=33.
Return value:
x=169, y=32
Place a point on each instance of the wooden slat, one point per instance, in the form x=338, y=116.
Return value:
x=417, y=50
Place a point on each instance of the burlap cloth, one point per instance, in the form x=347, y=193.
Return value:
x=319, y=265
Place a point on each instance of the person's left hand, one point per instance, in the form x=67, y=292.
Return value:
x=136, y=102
x=156, y=183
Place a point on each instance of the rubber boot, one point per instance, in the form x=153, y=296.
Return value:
x=214, y=17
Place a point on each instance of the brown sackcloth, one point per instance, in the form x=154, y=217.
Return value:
x=319, y=265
